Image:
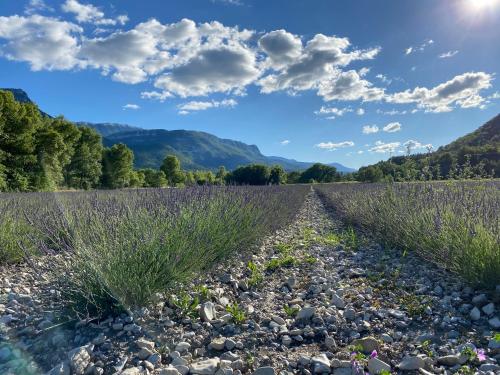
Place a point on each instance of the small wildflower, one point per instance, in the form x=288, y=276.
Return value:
x=374, y=354
x=480, y=355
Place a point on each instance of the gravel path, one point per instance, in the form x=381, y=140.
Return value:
x=320, y=299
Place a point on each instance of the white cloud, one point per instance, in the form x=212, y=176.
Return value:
x=367, y=129
x=131, y=106
x=419, y=48
x=44, y=42
x=412, y=145
x=360, y=152
x=381, y=147
x=281, y=47
x=193, y=106
x=285, y=142
x=392, y=127
x=391, y=112
x=333, y=111
x=88, y=13
x=462, y=91
x=384, y=79
x=161, y=96
x=448, y=54
x=35, y=6
x=360, y=111
x=229, y=2
x=330, y=146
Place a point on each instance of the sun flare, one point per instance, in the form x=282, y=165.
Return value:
x=481, y=5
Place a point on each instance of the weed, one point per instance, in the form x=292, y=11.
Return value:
x=350, y=239
x=290, y=311
x=310, y=259
x=204, y=293
x=286, y=261
x=256, y=276
x=330, y=239
x=426, y=348
x=187, y=305
x=284, y=248
x=413, y=304
x=237, y=313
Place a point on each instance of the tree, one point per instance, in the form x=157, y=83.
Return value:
x=50, y=153
x=277, y=175
x=172, y=168
x=370, y=174
x=220, y=177
x=154, y=178
x=319, y=173
x=117, y=166
x=136, y=179
x=253, y=174
x=85, y=168
x=293, y=177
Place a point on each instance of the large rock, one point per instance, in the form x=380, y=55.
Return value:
x=218, y=343
x=410, y=363
x=169, y=371
x=145, y=344
x=79, y=359
x=494, y=322
x=449, y=360
x=368, y=344
x=207, y=312
x=337, y=302
x=475, y=314
x=131, y=371
x=489, y=309
x=60, y=369
x=376, y=366
x=264, y=371
x=306, y=313
x=320, y=364
x=206, y=367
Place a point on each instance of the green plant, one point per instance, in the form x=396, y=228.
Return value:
x=496, y=336
x=286, y=261
x=415, y=305
x=385, y=372
x=465, y=370
x=330, y=239
x=426, y=348
x=284, y=248
x=310, y=259
x=350, y=239
x=204, y=292
x=256, y=276
x=290, y=311
x=237, y=313
x=187, y=305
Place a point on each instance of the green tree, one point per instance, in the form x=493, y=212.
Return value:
x=293, y=177
x=50, y=151
x=253, y=174
x=172, y=168
x=220, y=177
x=137, y=179
x=370, y=174
x=277, y=175
x=154, y=178
x=85, y=168
x=319, y=173
x=117, y=166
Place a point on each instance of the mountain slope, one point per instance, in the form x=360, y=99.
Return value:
x=195, y=149
x=22, y=97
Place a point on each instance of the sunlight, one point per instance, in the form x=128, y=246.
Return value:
x=481, y=5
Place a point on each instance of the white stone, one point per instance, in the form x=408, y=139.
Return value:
x=376, y=366
x=207, y=312
x=206, y=367
x=411, y=363
x=306, y=313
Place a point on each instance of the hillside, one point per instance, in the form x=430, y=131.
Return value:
x=195, y=149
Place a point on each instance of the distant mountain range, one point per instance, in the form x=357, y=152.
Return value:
x=195, y=149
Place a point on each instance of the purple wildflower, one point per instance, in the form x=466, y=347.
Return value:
x=480, y=355
x=374, y=354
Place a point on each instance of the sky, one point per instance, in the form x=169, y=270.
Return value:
x=348, y=81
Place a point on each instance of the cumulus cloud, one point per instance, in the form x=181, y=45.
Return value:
x=88, y=13
x=156, y=95
x=391, y=112
x=194, y=106
x=285, y=142
x=381, y=147
x=462, y=91
x=35, y=6
x=360, y=111
x=44, y=42
x=447, y=55
x=412, y=145
x=330, y=146
x=333, y=111
x=367, y=129
x=281, y=47
x=392, y=127
x=131, y=106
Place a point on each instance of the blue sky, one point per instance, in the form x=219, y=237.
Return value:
x=349, y=81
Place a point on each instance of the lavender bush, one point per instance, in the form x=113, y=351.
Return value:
x=116, y=249
x=454, y=224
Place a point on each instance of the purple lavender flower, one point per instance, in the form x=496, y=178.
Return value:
x=374, y=354
x=480, y=355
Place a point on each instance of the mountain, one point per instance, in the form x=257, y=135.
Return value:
x=195, y=149
x=22, y=97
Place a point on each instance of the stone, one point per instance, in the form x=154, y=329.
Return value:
x=376, y=366
x=79, y=359
x=117, y=326
x=486, y=367
x=306, y=313
x=4, y=354
x=61, y=369
x=386, y=338
x=449, y=360
x=206, y=367
x=343, y=371
x=286, y=340
x=475, y=314
x=230, y=344
x=330, y=343
x=169, y=371
x=494, y=322
x=368, y=344
x=489, y=309
x=337, y=302
x=279, y=320
x=264, y=371
x=145, y=344
x=207, y=312
x=155, y=359
x=218, y=343
x=144, y=353
x=131, y=371
x=480, y=300
x=350, y=314
x=410, y=363
x=493, y=344
x=184, y=370
x=182, y=347
x=320, y=364
x=291, y=282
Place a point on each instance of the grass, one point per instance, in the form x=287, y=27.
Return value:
x=237, y=313
x=284, y=261
x=453, y=224
x=290, y=311
x=256, y=276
